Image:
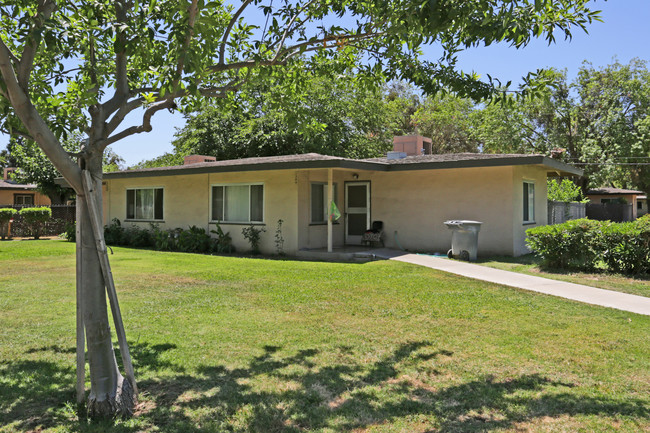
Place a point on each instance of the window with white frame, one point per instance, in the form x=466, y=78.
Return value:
x=145, y=204
x=529, y=202
x=319, y=205
x=238, y=203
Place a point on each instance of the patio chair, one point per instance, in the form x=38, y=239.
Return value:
x=374, y=235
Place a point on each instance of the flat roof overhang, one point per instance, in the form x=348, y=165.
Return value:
x=553, y=166
x=265, y=166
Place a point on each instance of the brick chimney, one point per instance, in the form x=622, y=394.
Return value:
x=412, y=145
x=5, y=174
x=196, y=159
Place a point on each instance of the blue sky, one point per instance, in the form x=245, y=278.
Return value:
x=624, y=34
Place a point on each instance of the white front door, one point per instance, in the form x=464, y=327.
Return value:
x=357, y=211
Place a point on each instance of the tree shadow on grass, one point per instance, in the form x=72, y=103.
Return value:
x=280, y=392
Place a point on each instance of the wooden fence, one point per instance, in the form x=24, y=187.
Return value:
x=559, y=212
x=615, y=212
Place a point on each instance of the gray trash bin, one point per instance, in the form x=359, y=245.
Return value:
x=464, y=239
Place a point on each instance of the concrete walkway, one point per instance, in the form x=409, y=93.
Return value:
x=576, y=292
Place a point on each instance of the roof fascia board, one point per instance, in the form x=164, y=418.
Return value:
x=550, y=163
x=265, y=166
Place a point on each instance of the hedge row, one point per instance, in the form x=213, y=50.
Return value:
x=34, y=217
x=588, y=244
x=192, y=240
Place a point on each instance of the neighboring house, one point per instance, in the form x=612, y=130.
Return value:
x=412, y=194
x=13, y=193
x=616, y=195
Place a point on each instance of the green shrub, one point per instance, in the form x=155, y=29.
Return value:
x=137, y=237
x=6, y=215
x=585, y=244
x=626, y=246
x=113, y=232
x=253, y=235
x=223, y=242
x=70, y=233
x=165, y=240
x=35, y=218
x=195, y=240
x=571, y=245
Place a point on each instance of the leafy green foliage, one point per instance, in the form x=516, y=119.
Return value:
x=223, y=241
x=6, y=215
x=195, y=240
x=613, y=115
x=449, y=121
x=601, y=122
x=626, y=246
x=131, y=236
x=35, y=218
x=335, y=117
x=587, y=244
x=70, y=233
x=570, y=245
x=565, y=191
x=253, y=235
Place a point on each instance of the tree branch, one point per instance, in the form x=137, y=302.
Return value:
x=242, y=65
x=288, y=29
x=44, y=12
x=168, y=102
x=35, y=124
x=226, y=34
x=22, y=134
x=121, y=79
x=119, y=116
x=144, y=127
x=180, y=66
x=293, y=49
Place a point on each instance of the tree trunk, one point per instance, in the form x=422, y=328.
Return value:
x=110, y=394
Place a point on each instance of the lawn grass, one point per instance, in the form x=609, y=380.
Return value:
x=531, y=265
x=250, y=345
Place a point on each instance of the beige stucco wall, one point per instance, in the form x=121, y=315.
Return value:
x=187, y=202
x=412, y=204
x=539, y=177
x=415, y=204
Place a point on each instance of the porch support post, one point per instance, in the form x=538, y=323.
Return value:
x=330, y=197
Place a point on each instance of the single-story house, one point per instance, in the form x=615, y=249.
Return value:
x=413, y=193
x=615, y=195
x=13, y=193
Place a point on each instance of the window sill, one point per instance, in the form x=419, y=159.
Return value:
x=529, y=223
x=144, y=221
x=323, y=224
x=229, y=223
